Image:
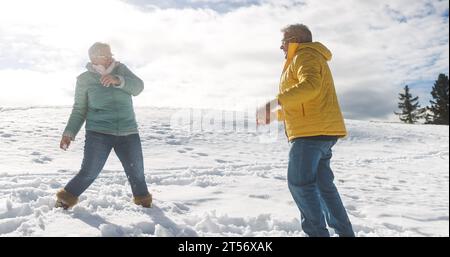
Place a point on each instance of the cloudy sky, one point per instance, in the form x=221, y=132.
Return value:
x=223, y=54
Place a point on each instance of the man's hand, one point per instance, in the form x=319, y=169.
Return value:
x=264, y=119
x=65, y=143
x=266, y=114
x=109, y=80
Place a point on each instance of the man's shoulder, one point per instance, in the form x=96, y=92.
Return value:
x=306, y=53
x=306, y=56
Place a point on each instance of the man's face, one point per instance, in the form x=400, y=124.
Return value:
x=104, y=57
x=285, y=43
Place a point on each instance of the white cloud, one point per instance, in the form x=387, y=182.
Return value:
x=203, y=58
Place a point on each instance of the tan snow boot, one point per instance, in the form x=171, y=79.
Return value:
x=65, y=199
x=144, y=201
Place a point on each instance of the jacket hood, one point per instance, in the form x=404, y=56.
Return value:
x=319, y=47
x=293, y=48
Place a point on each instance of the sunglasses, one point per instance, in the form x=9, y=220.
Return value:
x=286, y=40
x=104, y=56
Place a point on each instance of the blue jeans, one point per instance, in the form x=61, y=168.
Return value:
x=96, y=151
x=310, y=181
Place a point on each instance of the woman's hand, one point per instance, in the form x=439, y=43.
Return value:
x=109, y=80
x=65, y=143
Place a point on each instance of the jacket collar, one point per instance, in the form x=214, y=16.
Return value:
x=100, y=69
x=292, y=51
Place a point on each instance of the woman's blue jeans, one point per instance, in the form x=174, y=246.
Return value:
x=310, y=181
x=96, y=151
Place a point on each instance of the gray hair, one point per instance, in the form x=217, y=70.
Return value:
x=299, y=32
x=94, y=50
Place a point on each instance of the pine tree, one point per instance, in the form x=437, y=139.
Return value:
x=438, y=111
x=410, y=108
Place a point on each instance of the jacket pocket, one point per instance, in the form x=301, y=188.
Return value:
x=303, y=110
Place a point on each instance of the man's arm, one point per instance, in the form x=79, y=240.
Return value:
x=309, y=75
x=79, y=111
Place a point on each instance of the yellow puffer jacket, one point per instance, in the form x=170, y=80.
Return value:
x=309, y=105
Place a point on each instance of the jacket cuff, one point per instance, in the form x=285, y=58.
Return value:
x=69, y=134
x=280, y=115
x=122, y=82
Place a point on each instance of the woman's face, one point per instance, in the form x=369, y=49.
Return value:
x=103, y=57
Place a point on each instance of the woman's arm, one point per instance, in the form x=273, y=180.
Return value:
x=79, y=111
x=130, y=83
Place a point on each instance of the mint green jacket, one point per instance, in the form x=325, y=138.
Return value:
x=107, y=110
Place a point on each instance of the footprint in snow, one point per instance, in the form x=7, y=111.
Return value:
x=174, y=142
x=264, y=197
x=42, y=160
x=221, y=161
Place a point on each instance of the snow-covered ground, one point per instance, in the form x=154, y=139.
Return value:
x=393, y=178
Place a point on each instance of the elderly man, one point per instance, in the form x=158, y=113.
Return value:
x=103, y=98
x=313, y=123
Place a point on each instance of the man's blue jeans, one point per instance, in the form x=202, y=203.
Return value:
x=310, y=181
x=96, y=151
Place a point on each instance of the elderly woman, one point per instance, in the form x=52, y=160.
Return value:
x=103, y=98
